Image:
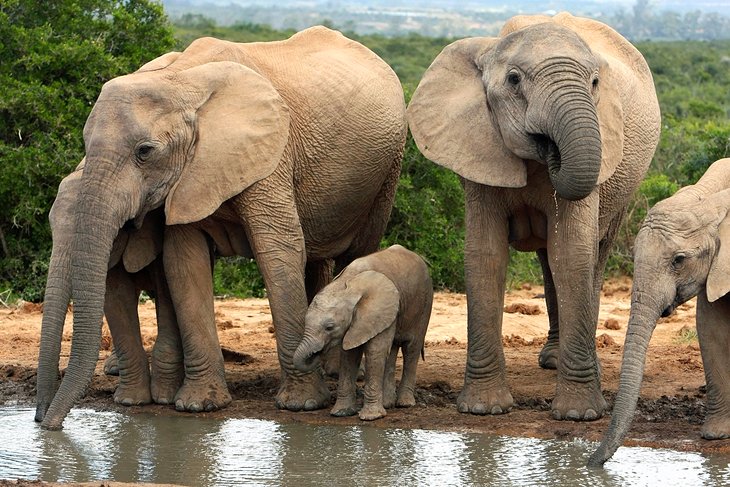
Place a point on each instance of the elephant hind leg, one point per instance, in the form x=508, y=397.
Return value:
x=548, y=358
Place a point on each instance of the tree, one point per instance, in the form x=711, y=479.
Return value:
x=54, y=58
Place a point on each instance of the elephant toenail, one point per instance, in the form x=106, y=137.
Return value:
x=310, y=405
x=463, y=407
x=179, y=405
x=479, y=409
x=557, y=415
x=497, y=410
x=590, y=415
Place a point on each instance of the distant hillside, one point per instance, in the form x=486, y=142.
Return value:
x=637, y=20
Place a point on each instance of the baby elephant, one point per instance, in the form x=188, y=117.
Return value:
x=378, y=304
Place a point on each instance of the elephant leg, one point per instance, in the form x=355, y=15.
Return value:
x=548, y=358
x=407, y=386
x=346, y=404
x=187, y=267
x=317, y=274
x=713, y=331
x=111, y=364
x=168, y=368
x=273, y=229
x=573, y=251
x=486, y=255
x=120, y=308
x=377, y=351
x=389, y=390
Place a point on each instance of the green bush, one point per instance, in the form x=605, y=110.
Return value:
x=54, y=58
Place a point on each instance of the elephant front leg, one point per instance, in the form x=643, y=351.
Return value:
x=168, y=368
x=277, y=241
x=187, y=267
x=346, y=404
x=120, y=308
x=573, y=256
x=713, y=331
x=377, y=352
x=486, y=254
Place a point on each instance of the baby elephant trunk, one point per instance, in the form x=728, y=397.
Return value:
x=308, y=353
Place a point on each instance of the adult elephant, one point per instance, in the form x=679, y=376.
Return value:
x=551, y=125
x=299, y=141
x=682, y=250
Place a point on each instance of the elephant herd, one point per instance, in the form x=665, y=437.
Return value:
x=289, y=152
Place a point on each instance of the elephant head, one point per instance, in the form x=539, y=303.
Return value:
x=681, y=250
x=538, y=92
x=181, y=132
x=350, y=312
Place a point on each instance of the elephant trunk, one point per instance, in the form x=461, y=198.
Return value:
x=307, y=355
x=645, y=312
x=569, y=119
x=55, y=305
x=97, y=223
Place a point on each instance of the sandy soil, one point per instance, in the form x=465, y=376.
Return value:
x=671, y=408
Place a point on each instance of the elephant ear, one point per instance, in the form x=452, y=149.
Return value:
x=145, y=243
x=376, y=309
x=242, y=128
x=718, y=279
x=611, y=78
x=452, y=124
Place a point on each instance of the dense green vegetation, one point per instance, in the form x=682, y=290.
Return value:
x=55, y=57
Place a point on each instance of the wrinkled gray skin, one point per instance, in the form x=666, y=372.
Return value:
x=681, y=251
x=254, y=136
x=378, y=305
x=552, y=126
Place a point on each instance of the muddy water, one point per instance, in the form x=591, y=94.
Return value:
x=203, y=452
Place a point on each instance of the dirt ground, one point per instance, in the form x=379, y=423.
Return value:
x=671, y=408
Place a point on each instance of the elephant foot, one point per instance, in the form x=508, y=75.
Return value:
x=716, y=428
x=548, y=358
x=164, y=389
x=111, y=364
x=371, y=412
x=344, y=407
x=406, y=399
x=202, y=395
x=481, y=399
x=578, y=402
x=133, y=395
x=389, y=396
x=303, y=392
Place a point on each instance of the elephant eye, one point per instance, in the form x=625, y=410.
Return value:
x=513, y=78
x=144, y=151
x=595, y=83
x=329, y=327
x=678, y=260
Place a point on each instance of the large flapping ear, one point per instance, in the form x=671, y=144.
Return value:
x=145, y=243
x=718, y=279
x=63, y=208
x=242, y=130
x=451, y=123
x=611, y=77
x=376, y=310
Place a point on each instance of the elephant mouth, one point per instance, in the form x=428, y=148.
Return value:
x=547, y=150
x=309, y=362
x=668, y=310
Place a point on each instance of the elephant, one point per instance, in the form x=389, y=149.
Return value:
x=379, y=304
x=254, y=135
x=135, y=264
x=551, y=127
x=682, y=250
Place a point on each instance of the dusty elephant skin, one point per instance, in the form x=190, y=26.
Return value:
x=252, y=135
x=378, y=305
x=552, y=126
x=682, y=250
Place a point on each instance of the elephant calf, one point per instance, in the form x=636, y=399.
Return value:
x=682, y=250
x=379, y=304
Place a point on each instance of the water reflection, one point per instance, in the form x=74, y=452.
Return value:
x=203, y=452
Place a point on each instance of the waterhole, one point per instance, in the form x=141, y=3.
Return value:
x=196, y=451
